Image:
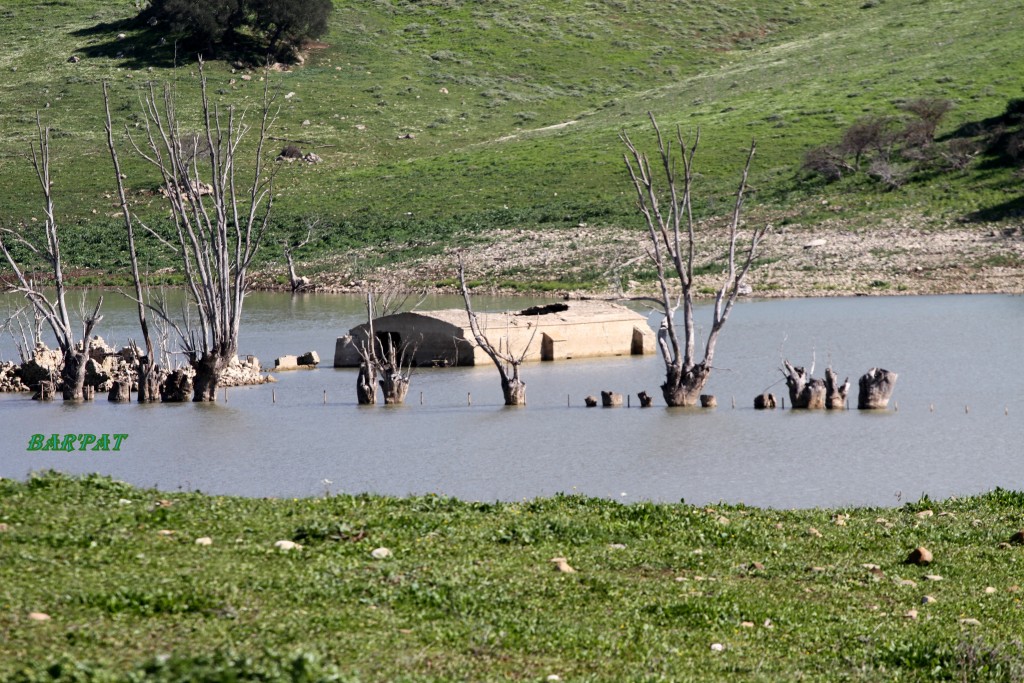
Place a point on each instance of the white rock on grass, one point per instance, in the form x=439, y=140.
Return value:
x=38, y=616
x=287, y=545
x=205, y=540
x=380, y=553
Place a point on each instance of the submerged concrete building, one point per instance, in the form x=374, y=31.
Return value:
x=560, y=331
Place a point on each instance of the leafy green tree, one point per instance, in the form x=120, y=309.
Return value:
x=289, y=22
x=203, y=22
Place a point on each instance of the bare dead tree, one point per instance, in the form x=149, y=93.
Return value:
x=508, y=363
x=148, y=373
x=672, y=247
x=298, y=283
x=217, y=226
x=382, y=356
x=55, y=311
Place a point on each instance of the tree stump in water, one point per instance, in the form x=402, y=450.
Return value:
x=876, y=387
x=646, y=400
x=150, y=378
x=590, y=401
x=764, y=402
x=366, y=389
x=394, y=386
x=120, y=391
x=610, y=399
x=176, y=387
x=708, y=401
x=805, y=392
x=835, y=393
x=514, y=391
x=45, y=392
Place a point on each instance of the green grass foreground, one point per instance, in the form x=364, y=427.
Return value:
x=660, y=592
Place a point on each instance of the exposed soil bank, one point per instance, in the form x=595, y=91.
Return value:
x=905, y=255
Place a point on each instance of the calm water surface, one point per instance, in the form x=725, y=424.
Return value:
x=959, y=427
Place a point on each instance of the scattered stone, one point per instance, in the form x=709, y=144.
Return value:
x=309, y=358
x=970, y=622
x=840, y=520
x=717, y=647
x=870, y=567
x=407, y=136
x=990, y=590
x=443, y=91
x=1004, y=546
x=165, y=532
x=813, y=533
x=74, y=59
x=246, y=77
x=815, y=243
x=312, y=158
x=947, y=514
x=617, y=546
x=919, y=556
x=121, y=36
x=723, y=520
x=755, y=566
x=924, y=514
x=747, y=624
x=287, y=545
x=932, y=577
x=4, y=528
x=205, y=540
x=910, y=614
x=816, y=570
x=380, y=553
x=881, y=520
x=928, y=600
x=306, y=122
x=38, y=616
x=286, y=363
x=562, y=565
x=768, y=623
x=909, y=583
x=289, y=96
x=554, y=677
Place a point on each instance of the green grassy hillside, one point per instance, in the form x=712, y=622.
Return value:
x=514, y=108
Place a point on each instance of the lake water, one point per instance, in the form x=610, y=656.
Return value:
x=959, y=427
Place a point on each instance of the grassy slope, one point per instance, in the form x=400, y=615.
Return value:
x=470, y=592
x=792, y=74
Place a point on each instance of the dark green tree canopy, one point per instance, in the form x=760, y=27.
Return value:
x=276, y=26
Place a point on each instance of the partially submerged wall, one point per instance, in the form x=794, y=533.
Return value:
x=579, y=329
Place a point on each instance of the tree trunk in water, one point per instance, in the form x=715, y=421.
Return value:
x=765, y=401
x=366, y=385
x=149, y=381
x=646, y=400
x=176, y=387
x=805, y=392
x=45, y=391
x=204, y=384
x=73, y=374
x=683, y=388
x=515, y=392
x=835, y=393
x=120, y=391
x=876, y=387
x=394, y=386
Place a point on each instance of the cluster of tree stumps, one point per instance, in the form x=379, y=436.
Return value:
x=810, y=393
x=805, y=392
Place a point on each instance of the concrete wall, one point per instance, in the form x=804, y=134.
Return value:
x=441, y=341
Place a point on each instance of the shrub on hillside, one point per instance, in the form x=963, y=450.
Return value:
x=280, y=26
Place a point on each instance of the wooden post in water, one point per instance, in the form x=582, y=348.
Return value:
x=325, y=397
x=469, y=398
x=273, y=395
